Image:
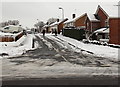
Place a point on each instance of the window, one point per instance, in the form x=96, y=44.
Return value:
x=96, y=16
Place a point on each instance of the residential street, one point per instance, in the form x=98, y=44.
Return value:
x=59, y=43
x=51, y=62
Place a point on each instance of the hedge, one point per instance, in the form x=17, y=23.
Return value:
x=78, y=34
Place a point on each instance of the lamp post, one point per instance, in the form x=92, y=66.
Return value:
x=38, y=27
x=62, y=12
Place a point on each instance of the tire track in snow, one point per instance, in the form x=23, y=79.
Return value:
x=73, y=45
x=61, y=41
x=51, y=46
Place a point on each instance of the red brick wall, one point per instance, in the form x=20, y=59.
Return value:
x=10, y=38
x=114, y=24
x=18, y=36
x=6, y=39
x=92, y=26
x=80, y=21
x=102, y=17
x=88, y=25
x=95, y=25
x=60, y=27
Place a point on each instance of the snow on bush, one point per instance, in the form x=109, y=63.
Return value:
x=17, y=48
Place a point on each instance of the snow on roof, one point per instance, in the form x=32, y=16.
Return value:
x=46, y=26
x=74, y=19
x=102, y=30
x=92, y=17
x=70, y=20
x=9, y=34
x=110, y=9
x=13, y=26
x=3, y=34
x=55, y=23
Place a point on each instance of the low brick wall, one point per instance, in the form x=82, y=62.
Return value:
x=78, y=34
x=18, y=36
x=10, y=38
x=6, y=39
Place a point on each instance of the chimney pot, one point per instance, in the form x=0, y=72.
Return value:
x=73, y=16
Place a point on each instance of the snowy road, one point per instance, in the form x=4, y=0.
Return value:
x=55, y=59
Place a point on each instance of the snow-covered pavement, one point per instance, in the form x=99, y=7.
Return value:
x=98, y=50
x=60, y=57
x=16, y=48
x=25, y=43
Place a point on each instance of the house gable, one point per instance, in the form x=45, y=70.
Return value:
x=99, y=8
x=88, y=24
x=80, y=21
x=92, y=23
x=60, y=25
x=102, y=16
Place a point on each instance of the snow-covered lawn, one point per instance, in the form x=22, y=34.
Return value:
x=17, y=48
x=98, y=50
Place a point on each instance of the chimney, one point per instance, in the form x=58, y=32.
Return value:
x=57, y=20
x=47, y=23
x=73, y=16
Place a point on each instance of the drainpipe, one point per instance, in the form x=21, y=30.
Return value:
x=91, y=26
x=90, y=30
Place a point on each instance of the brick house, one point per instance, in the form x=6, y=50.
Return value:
x=105, y=17
x=74, y=28
x=92, y=23
x=102, y=16
x=58, y=25
x=47, y=28
x=113, y=23
x=108, y=16
x=77, y=22
x=114, y=30
x=97, y=20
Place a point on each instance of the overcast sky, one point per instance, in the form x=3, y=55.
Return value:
x=28, y=12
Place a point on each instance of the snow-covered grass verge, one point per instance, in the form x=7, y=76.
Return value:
x=98, y=50
x=17, y=48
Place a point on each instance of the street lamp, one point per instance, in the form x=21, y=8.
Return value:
x=62, y=12
x=38, y=27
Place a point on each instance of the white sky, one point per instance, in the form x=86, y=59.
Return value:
x=27, y=12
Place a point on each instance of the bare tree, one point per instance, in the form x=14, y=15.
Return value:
x=9, y=22
x=51, y=20
x=13, y=22
x=39, y=25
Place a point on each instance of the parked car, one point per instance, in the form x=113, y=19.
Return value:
x=12, y=29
